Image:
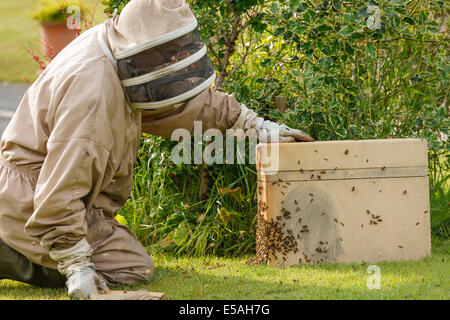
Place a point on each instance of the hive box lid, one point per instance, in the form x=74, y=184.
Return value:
x=338, y=155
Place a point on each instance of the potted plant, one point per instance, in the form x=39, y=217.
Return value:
x=60, y=24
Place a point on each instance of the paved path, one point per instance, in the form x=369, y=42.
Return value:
x=10, y=97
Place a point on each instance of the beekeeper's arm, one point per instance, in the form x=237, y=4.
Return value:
x=72, y=175
x=217, y=110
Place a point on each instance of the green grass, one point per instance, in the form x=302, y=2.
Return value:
x=17, y=25
x=231, y=278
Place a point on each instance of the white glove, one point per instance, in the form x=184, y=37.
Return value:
x=82, y=281
x=267, y=131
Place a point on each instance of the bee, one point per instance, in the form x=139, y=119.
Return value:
x=283, y=193
x=405, y=192
x=319, y=177
x=299, y=220
x=362, y=226
x=341, y=239
x=295, y=201
x=312, y=199
x=426, y=211
x=312, y=176
x=316, y=151
x=401, y=247
x=380, y=220
x=346, y=152
x=375, y=223
x=342, y=224
x=326, y=159
x=297, y=209
x=384, y=168
x=322, y=213
x=301, y=170
x=321, y=242
x=367, y=160
x=417, y=224
x=368, y=211
x=298, y=161
x=335, y=168
x=353, y=188
x=335, y=220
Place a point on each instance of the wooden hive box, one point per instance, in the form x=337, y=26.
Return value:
x=343, y=201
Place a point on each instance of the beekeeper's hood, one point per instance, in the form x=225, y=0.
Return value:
x=161, y=59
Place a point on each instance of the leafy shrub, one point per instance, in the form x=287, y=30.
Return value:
x=345, y=77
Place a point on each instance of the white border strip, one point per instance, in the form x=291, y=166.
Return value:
x=156, y=41
x=165, y=71
x=178, y=99
x=6, y=114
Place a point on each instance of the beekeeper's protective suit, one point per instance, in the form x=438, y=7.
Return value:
x=66, y=164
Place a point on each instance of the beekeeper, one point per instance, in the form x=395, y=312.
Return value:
x=66, y=164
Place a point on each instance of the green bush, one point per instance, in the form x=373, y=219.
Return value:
x=345, y=77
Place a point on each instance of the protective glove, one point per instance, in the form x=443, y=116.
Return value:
x=82, y=281
x=267, y=131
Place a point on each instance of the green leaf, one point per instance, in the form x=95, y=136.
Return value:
x=324, y=28
x=371, y=49
x=201, y=243
x=346, y=31
x=295, y=72
x=294, y=4
x=274, y=8
x=301, y=29
x=181, y=233
x=337, y=5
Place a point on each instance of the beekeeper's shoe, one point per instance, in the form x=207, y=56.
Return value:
x=15, y=266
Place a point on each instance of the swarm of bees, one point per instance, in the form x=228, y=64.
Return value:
x=270, y=237
x=274, y=240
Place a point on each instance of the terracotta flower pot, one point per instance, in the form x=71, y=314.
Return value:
x=55, y=37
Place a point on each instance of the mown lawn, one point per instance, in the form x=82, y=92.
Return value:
x=226, y=278
x=17, y=26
